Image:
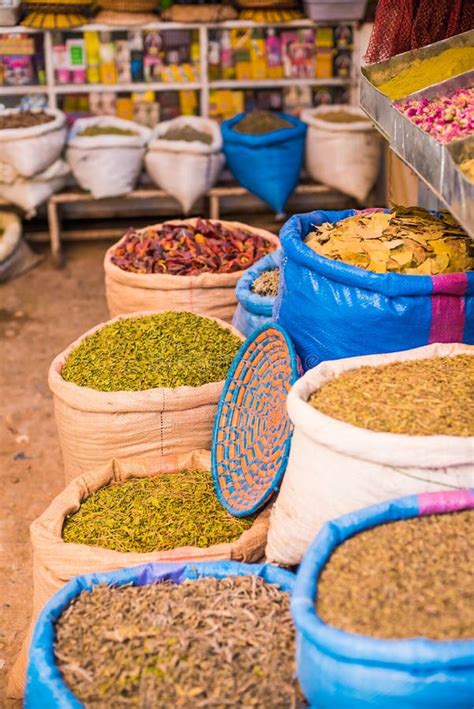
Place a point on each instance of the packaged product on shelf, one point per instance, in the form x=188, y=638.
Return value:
x=377, y=445
x=61, y=65
x=343, y=64
x=324, y=63
x=108, y=70
x=226, y=56
x=274, y=58
x=324, y=37
x=241, y=41
x=136, y=65
x=76, y=58
x=188, y=103
x=225, y=103
x=258, y=60
x=343, y=37
x=124, y=108
x=296, y=99
x=92, y=51
x=18, y=70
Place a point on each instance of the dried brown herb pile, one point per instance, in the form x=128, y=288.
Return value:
x=24, y=119
x=423, y=397
x=405, y=240
x=405, y=579
x=204, y=643
x=188, y=134
x=93, y=131
x=261, y=122
x=267, y=283
x=340, y=116
x=161, y=513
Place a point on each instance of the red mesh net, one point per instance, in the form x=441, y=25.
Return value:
x=402, y=25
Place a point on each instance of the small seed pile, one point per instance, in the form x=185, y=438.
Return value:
x=161, y=513
x=94, y=131
x=267, y=283
x=188, y=134
x=205, y=643
x=170, y=349
x=410, y=241
x=189, y=250
x=340, y=117
x=261, y=122
x=24, y=119
x=404, y=579
x=423, y=397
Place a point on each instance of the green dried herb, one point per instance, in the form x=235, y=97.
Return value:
x=405, y=579
x=170, y=349
x=93, y=131
x=205, y=643
x=267, y=283
x=423, y=397
x=261, y=122
x=188, y=134
x=340, y=116
x=161, y=513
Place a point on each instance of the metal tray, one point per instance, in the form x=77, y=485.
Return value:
x=459, y=190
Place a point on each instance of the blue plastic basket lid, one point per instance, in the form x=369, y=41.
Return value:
x=252, y=431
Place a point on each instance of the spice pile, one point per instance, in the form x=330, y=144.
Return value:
x=261, y=122
x=340, y=116
x=185, y=250
x=405, y=240
x=204, y=643
x=24, y=119
x=423, y=397
x=467, y=168
x=446, y=118
x=425, y=72
x=267, y=283
x=188, y=134
x=161, y=513
x=409, y=578
x=170, y=349
x=94, y=131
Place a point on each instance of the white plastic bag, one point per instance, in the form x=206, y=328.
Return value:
x=31, y=150
x=29, y=193
x=186, y=170
x=107, y=165
x=335, y=467
x=345, y=156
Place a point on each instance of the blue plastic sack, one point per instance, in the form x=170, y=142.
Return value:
x=45, y=688
x=268, y=165
x=333, y=310
x=254, y=310
x=342, y=670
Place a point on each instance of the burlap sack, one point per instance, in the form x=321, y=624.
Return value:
x=56, y=562
x=95, y=426
x=211, y=294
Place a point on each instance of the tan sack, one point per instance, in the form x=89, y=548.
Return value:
x=57, y=562
x=335, y=467
x=96, y=426
x=211, y=294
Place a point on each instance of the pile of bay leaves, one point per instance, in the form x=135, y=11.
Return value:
x=404, y=240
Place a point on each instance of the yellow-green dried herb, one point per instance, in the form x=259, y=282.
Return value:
x=423, y=397
x=93, y=131
x=205, y=643
x=410, y=578
x=340, y=116
x=267, y=283
x=188, y=134
x=170, y=349
x=406, y=240
x=160, y=513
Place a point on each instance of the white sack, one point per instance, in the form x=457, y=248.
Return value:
x=29, y=193
x=10, y=235
x=31, y=150
x=345, y=156
x=107, y=165
x=185, y=170
x=335, y=467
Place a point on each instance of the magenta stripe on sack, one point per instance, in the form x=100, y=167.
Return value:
x=448, y=307
x=432, y=502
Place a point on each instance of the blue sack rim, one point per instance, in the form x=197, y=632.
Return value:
x=282, y=135
x=417, y=654
x=390, y=284
x=253, y=303
x=42, y=644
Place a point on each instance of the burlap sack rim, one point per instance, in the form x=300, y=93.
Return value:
x=165, y=281
x=157, y=399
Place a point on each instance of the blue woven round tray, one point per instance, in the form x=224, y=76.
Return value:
x=252, y=431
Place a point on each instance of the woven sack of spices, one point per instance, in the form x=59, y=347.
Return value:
x=45, y=685
x=268, y=165
x=57, y=562
x=332, y=309
x=343, y=155
x=335, y=665
x=32, y=149
x=254, y=310
x=210, y=294
x=29, y=192
x=186, y=170
x=107, y=165
x=97, y=426
x=335, y=467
